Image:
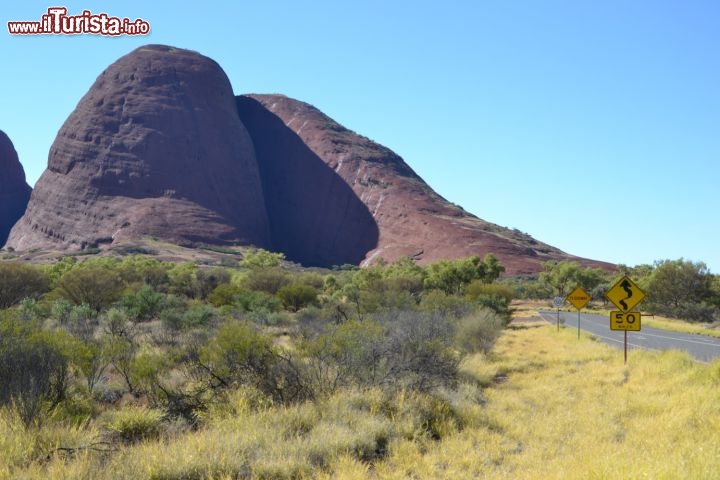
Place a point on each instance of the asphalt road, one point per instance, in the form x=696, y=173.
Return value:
x=701, y=347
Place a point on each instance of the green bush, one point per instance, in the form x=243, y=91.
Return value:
x=198, y=315
x=297, y=295
x=143, y=305
x=33, y=372
x=82, y=321
x=224, y=294
x=208, y=280
x=478, y=331
x=19, y=281
x=396, y=350
x=251, y=301
x=237, y=355
x=259, y=259
x=268, y=280
x=95, y=285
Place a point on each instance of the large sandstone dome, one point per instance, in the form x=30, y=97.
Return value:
x=14, y=190
x=155, y=148
x=161, y=147
x=360, y=178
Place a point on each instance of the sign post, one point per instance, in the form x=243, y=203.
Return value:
x=557, y=303
x=625, y=295
x=579, y=298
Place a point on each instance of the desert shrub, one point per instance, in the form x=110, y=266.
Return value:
x=144, y=270
x=132, y=424
x=92, y=360
x=183, y=281
x=173, y=309
x=259, y=258
x=95, y=285
x=478, y=331
x=681, y=288
x=115, y=323
x=268, y=318
x=395, y=350
x=531, y=289
x=251, y=301
x=421, y=355
x=147, y=369
x=19, y=281
x=697, y=312
x=82, y=321
x=351, y=353
x=478, y=288
x=269, y=280
x=453, y=276
x=33, y=372
x=437, y=301
x=247, y=300
x=297, y=295
x=224, y=294
x=120, y=353
x=30, y=309
x=143, y=305
x=209, y=278
x=61, y=310
x=238, y=354
x=197, y=315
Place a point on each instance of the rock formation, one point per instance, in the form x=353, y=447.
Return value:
x=14, y=190
x=155, y=148
x=316, y=218
x=315, y=212
x=160, y=147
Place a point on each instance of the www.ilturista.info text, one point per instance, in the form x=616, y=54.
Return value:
x=57, y=21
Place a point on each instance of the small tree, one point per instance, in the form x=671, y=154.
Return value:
x=33, y=372
x=19, y=281
x=261, y=259
x=238, y=355
x=561, y=276
x=143, y=305
x=682, y=288
x=297, y=295
x=95, y=285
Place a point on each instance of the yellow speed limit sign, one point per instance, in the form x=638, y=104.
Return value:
x=625, y=321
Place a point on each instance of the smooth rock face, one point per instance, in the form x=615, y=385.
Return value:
x=155, y=148
x=315, y=216
x=313, y=212
x=160, y=147
x=14, y=190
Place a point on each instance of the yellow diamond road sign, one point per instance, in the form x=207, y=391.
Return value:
x=625, y=320
x=625, y=294
x=579, y=298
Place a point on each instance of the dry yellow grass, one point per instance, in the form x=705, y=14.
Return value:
x=571, y=409
x=554, y=407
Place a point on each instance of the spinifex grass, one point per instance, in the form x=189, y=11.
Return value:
x=570, y=409
x=552, y=407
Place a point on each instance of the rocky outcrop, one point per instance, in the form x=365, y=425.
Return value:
x=155, y=148
x=331, y=192
x=14, y=190
x=160, y=147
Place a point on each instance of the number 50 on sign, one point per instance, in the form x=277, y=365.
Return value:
x=625, y=320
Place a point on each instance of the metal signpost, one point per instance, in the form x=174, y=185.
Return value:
x=625, y=295
x=579, y=298
x=557, y=303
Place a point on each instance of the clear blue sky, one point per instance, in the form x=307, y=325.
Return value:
x=592, y=125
